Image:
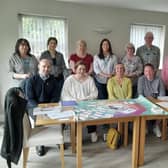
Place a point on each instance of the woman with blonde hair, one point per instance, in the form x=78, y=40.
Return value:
x=133, y=66
x=119, y=86
x=81, y=55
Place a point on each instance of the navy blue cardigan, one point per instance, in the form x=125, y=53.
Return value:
x=40, y=91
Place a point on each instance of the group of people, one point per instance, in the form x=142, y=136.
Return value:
x=103, y=76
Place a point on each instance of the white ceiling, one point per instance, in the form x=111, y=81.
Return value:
x=150, y=5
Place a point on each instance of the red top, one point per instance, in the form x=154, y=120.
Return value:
x=88, y=60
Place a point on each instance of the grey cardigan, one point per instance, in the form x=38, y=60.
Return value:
x=16, y=65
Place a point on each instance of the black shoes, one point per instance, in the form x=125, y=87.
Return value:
x=40, y=150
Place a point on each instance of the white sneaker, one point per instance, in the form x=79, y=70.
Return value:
x=94, y=137
x=157, y=132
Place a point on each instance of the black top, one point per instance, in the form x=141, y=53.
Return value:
x=41, y=91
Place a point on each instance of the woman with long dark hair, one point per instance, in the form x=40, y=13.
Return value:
x=103, y=66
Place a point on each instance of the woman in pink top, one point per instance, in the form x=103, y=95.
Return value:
x=81, y=55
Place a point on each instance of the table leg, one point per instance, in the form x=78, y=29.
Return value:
x=73, y=137
x=135, y=142
x=164, y=129
x=142, y=141
x=120, y=128
x=79, y=145
x=126, y=134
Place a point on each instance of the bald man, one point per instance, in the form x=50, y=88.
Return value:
x=148, y=52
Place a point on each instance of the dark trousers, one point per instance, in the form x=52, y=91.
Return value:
x=91, y=129
x=102, y=90
x=60, y=80
x=134, y=91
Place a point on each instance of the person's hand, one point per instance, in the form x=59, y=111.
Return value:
x=25, y=76
x=109, y=75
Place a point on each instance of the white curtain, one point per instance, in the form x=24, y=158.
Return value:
x=37, y=29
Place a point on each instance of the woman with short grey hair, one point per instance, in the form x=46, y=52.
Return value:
x=133, y=66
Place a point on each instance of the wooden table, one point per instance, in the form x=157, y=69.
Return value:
x=136, y=124
x=143, y=120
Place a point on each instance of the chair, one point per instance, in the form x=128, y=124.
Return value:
x=41, y=136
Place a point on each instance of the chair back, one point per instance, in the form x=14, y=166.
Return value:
x=26, y=129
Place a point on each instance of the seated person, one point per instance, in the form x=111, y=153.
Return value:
x=119, y=86
x=151, y=85
x=42, y=88
x=80, y=86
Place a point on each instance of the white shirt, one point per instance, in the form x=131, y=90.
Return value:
x=105, y=65
x=74, y=89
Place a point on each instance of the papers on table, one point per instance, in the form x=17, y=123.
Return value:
x=46, y=110
x=53, y=112
x=61, y=115
x=164, y=98
x=163, y=104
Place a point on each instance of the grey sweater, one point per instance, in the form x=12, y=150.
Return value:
x=17, y=65
x=147, y=87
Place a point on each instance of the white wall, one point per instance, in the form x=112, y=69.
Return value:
x=82, y=19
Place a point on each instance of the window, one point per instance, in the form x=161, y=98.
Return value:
x=138, y=32
x=37, y=29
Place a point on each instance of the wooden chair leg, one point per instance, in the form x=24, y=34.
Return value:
x=62, y=155
x=25, y=156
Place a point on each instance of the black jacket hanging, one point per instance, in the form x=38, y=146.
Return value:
x=12, y=143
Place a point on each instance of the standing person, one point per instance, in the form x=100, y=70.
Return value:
x=81, y=55
x=81, y=86
x=59, y=69
x=119, y=86
x=133, y=66
x=22, y=64
x=103, y=66
x=150, y=85
x=148, y=52
x=42, y=88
